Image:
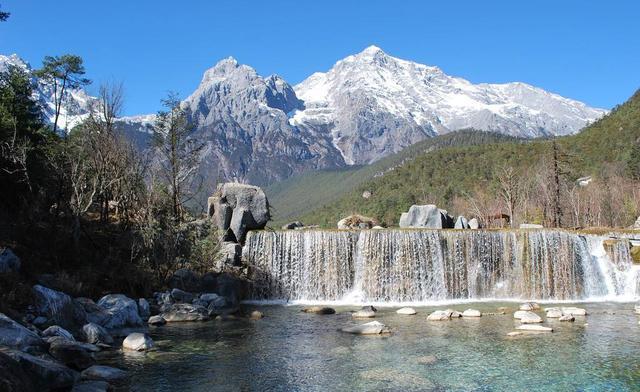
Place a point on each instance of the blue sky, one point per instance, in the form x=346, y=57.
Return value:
x=586, y=50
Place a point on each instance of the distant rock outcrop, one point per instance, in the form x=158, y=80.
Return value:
x=238, y=208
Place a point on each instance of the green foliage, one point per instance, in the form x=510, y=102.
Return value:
x=297, y=196
x=439, y=175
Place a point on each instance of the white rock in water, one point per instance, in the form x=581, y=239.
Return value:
x=637, y=308
x=371, y=328
x=519, y=313
x=407, y=311
x=567, y=317
x=440, y=315
x=529, y=306
x=553, y=312
x=137, y=342
x=530, y=318
x=515, y=333
x=471, y=313
x=534, y=328
x=364, y=314
x=573, y=311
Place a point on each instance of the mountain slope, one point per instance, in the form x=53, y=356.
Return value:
x=299, y=195
x=375, y=104
x=438, y=176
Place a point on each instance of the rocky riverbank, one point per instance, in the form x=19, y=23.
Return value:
x=52, y=343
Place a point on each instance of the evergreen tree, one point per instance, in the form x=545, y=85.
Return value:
x=65, y=73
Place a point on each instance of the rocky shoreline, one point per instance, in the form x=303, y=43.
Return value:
x=52, y=344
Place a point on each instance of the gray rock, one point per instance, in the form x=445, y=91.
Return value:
x=55, y=330
x=474, y=224
x=94, y=333
x=9, y=262
x=181, y=296
x=440, y=315
x=230, y=255
x=72, y=354
x=91, y=386
x=534, y=328
x=46, y=374
x=185, y=312
x=104, y=373
x=293, y=225
x=529, y=317
x=16, y=336
x=247, y=206
x=406, y=311
x=137, y=342
x=567, y=317
x=144, y=310
x=471, y=313
x=573, y=311
x=461, y=223
x=371, y=328
x=157, y=320
x=122, y=311
x=59, y=308
x=426, y=216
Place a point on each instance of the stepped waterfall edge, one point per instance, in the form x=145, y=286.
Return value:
x=432, y=266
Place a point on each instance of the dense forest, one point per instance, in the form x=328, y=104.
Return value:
x=86, y=204
x=583, y=180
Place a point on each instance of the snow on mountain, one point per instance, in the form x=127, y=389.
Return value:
x=375, y=104
x=76, y=103
x=261, y=129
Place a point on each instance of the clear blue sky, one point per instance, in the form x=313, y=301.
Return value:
x=586, y=50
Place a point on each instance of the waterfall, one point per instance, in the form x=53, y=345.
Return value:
x=400, y=265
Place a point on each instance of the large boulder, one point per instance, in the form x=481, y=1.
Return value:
x=461, y=223
x=94, y=334
x=426, y=216
x=72, y=354
x=9, y=262
x=56, y=330
x=238, y=208
x=181, y=296
x=144, y=310
x=13, y=377
x=122, y=311
x=59, y=308
x=16, y=336
x=46, y=374
x=230, y=255
x=474, y=224
x=357, y=222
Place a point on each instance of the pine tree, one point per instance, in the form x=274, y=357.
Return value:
x=65, y=73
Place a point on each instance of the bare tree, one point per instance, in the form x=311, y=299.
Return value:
x=509, y=190
x=179, y=155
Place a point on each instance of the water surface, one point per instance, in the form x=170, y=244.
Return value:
x=293, y=351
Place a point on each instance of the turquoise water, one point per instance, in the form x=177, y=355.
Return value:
x=293, y=351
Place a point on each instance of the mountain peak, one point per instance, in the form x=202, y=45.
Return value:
x=371, y=50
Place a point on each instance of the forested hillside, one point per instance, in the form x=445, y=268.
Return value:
x=299, y=195
x=536, y=180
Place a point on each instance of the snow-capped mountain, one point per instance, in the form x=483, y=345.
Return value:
x=375, y=104
x=242, y=118
x=76, y=103
x=261, y=129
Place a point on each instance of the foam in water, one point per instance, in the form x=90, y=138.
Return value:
x=419, y=266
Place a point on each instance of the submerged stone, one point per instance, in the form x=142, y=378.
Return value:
x=573, y=311
x=371, y=328
x=534, y=328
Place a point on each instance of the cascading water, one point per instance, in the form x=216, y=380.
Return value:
x=399, y=265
